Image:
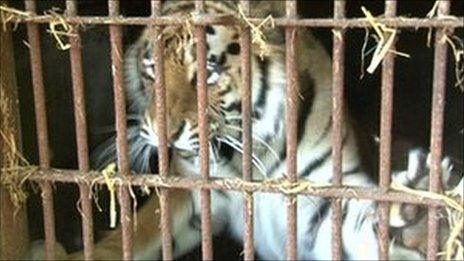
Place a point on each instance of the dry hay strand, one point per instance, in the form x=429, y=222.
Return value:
x=14, y=164
x=385, y=39
x=108, y=174
x=111, y=182
x=60, y=29
x=453, y=248
x=454, y=200
x=282, y=184
x=11, y=15
x=134, y=206
x=433, y=13
x=257, y=35
x=454, y=42
x=457, y=46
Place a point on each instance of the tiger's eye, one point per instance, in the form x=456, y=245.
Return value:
x=233, y=48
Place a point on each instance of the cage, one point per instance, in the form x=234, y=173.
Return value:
x=64, y=58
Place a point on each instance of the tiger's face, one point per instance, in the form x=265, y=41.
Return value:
x=224, y=96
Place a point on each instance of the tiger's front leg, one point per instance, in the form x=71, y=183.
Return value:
x=147, y=238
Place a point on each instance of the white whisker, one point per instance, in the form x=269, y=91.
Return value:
x=254, y=157
x=256, y=162
x=257, y=138
x=213, y=157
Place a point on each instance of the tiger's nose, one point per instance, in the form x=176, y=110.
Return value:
x=212, y=58
x=214, y=70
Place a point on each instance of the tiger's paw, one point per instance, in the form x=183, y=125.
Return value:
x=409, y=221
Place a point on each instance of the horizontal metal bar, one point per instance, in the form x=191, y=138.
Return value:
x=271, y=186
x=399, y=22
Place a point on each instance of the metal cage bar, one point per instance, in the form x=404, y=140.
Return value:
x=291, y=119
x=121, y=130
x=81, y=133
x=386, y=120
x=247, y=133
x=338, y=74
x=42, y=131
x=287, y=22
x=436, y=132
x=163, y=156
x=232, y=184
x=203, y=123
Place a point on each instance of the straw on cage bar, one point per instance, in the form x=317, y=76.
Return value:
x=13, y=216
x=269, y=186
x=404, y=22
x=337, y=127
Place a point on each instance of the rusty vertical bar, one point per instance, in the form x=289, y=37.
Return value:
x=291, y=119
x=206, y=236
x=121, y=129
x=386, y=119
x=160, y=98
x=42, y=132
x=338, y=74
x=81, y=133
x=14, y=237
x=436, y=133
x=247, y=132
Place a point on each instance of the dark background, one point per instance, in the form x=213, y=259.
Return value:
x=412, y=104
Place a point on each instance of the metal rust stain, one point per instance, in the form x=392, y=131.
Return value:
x=291, y=121
x=386, y=120
x=245, y=60
x=42, y=132
x=436, y=134
x=117, y=55
x=338, y=68
x=163, y=156
x=81, y=133
x=151, y=180
x=203, y=123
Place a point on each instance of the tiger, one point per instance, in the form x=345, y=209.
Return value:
x=268, y=83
